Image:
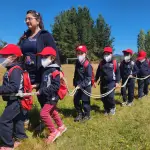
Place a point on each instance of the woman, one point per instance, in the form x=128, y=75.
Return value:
x=34, y=40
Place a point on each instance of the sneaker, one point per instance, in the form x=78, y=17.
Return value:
x=78, y=118
x=112, y=111
x=62, y=129
x=16, y=144
x=124, y=103
x=85, y=118
x=52, y=137
x=106, y=112
x=129, y=104
x=6, y=148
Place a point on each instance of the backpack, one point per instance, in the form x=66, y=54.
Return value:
x=27, y=101
x=63, y=90
x=86, y=63
x=114, y=65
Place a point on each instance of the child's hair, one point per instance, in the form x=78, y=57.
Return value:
x=28, y=32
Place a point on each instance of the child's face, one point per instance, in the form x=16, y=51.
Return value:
x=47, y=60
x=81, y=56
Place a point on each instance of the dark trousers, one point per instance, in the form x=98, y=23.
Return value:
x=12, y=124
x=82, y=101
x=143, y=87
x=108, y=101
x=130, y=87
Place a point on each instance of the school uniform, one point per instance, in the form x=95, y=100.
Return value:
x=82, y=78
x=48, y=94
x=12, y=119
x=108, y=80
x=144, y=70
x=126, y=69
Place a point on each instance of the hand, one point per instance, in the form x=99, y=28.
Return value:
x=130, y=76
x=37, y=93
x=34, y=86
x=77, y=87
x=117, y=85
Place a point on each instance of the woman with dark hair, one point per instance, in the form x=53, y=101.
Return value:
x=33, y=41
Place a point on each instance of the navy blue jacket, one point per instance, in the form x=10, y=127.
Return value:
x=144, y=69
x=82, y=75
x=49, y=86
x=105, y=72
x=128, y=68
x=12, y=84
x=44, y=39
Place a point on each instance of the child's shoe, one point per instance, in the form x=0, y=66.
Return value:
x=78, y=118
x=112, y=111
x=85, y=118
x=16, y=144
x=52, y=137
x=129, y=104
x=124, y=103
x=62, y=129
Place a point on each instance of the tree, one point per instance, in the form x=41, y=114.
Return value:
x=2, y=44
x=147, y=43
x=141, y=40
x=76, y=26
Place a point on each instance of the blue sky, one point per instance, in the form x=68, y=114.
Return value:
x=126, y=17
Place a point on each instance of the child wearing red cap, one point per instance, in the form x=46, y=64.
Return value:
x=128, y=68
x=144, y=70
x=12, y=119
x=49, y=87
x=109, y=74
x=82, y=80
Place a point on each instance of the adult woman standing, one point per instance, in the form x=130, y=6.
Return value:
x=34, y=40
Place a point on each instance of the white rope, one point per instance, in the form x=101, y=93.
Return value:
x=84, y=91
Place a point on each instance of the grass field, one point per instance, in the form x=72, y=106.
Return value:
x=129, y=129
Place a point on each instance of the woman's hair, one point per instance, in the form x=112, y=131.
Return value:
x=41, y=25
x=38, y=17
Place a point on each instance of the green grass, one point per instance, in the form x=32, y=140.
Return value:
x=129, y=129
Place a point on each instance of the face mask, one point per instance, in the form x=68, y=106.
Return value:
x=108, y=58
x=142, y=60
x=127, y=58
x=81, y=58
x=45, y=62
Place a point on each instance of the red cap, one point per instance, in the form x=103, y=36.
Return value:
x=108, y=49
x=82, y=48
x=128, y=51
x=47, y=51
x=11, y=49
x=141, y=55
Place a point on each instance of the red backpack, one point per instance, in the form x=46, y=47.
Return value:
x=86, y=63
x=27, y=101
x=114, y=65
x=62, y=92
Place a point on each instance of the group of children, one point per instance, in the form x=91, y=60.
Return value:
x=108, y=71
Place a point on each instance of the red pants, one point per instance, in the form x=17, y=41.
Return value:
x=47, y=113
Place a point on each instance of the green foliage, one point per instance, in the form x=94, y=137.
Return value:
x=76, y=26
x=2, y=44
x=147, y=43
x=141, y=40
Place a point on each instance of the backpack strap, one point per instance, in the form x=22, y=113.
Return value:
x=15, y=67
x=115, y=65
x=55, y=73
x=86, y=63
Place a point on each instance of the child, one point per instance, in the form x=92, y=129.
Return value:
x=108, y=72
x=82, y=80
x=128, y=68
x=49, y=87
x=12, y=119
x=144, y=71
